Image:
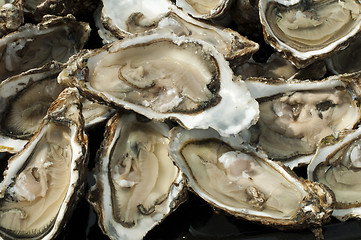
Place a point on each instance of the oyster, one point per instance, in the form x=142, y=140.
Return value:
x=205, y=9
x=170, y=19
x=25, y=99
x=295, y=115
x=243, y=182
x=309, y=30
x=56, y=38
x=11, y=17
x=137, y=184
x=43, y=181
x=164, y=76
x=337, y=165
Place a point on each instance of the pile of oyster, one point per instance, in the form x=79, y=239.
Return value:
x=221, y=98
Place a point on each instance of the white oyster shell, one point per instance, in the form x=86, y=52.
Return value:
x=155, y=75
x=43, y=182
x=137, y=185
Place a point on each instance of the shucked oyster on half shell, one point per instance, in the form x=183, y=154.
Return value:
x=295, y=115
x=165, y=76
x=24, y=102
x=137, y=184
x=43, y=181
x=32, y=46
x=125, y=18
x=309, y=30
x=337, y=164
x=243, y=182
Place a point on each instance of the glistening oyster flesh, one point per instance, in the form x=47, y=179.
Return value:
x=242, y=181
x=44, y=180
x=295, y=115
x=337, y=164
x=137, y=185
x=309, y=30
x=165, y=76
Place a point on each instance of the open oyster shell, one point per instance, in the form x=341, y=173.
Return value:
x=164, y=76
x=134, y=17
x=337, y=165
x=32, y=46
x=43, y=182
x=309, y=30
x=241, y=181
x=24, y=102
x=295, y=115
x=137, y=185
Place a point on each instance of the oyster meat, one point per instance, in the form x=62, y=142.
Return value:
x=337, y=164
x=295, y=115
x=32, y=46
x=241, y=181
x=137, y=185
x=306, y=31
x=164, y=76
x=44, y=180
